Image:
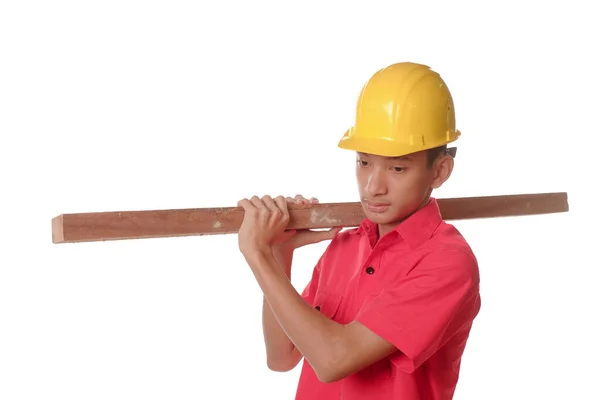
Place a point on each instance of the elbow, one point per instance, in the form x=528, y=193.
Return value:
x=280, y=366
x=331, y=374
x=284, y=364
x=333, y=365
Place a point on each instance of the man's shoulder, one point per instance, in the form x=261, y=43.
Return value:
x=448, y=238
x=447, y=247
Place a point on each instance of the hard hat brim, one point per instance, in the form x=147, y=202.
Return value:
x=389, y=147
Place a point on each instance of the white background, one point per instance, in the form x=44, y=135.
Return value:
x=123, y=105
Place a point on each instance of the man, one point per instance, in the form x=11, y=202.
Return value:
x=390, y=305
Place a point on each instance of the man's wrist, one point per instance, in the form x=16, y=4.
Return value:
x=265, y=267
x=260, y=255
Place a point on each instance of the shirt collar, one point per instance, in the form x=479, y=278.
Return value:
x=416, y=229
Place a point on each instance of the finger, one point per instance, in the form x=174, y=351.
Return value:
x=281, y=204
x=329, y=234
x=257, y=203
x=334, y=231
x=301, y=199
x=270, y=204
x=297, y=200
x=244, y=203
x=287, y=235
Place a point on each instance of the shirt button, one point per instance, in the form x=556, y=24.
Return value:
x=318, y=308
x=370, y=270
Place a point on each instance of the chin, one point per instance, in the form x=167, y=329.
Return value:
x=382, y=219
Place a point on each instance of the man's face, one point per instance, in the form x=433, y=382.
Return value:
x=392, y=188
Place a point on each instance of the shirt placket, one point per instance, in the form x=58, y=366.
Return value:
x=369, y=277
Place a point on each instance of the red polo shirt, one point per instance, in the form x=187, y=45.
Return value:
x=417, y=287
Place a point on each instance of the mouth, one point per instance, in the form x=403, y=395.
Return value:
x=377, y=206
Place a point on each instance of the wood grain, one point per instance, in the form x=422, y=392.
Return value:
x=123, y=225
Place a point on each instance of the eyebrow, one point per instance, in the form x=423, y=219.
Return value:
x=398, y=158
x=401, y=158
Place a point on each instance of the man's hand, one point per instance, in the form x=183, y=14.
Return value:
x=264, y=227
x=264, y=224
x=283, y=251
x=303, y=237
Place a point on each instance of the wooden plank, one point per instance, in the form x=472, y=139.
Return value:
x=122, y=225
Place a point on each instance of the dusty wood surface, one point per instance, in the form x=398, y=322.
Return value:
x=121, y=225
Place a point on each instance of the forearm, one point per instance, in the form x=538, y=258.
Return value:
x=282, y=355
x=317, y=338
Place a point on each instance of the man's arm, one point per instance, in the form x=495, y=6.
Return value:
x=411, y=320
x=282, y=355
x=333, y=350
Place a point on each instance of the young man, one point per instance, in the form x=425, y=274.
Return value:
x=390, y=305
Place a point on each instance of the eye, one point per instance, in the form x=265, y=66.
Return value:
x=398, y=169
x=362, y=163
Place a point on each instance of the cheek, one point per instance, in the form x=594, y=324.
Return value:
x=409, y=187
x=362, y=178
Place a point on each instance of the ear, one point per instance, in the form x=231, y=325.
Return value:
x=442, y=168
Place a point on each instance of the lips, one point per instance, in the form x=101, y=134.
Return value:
x=377, y=203
x=377, y=206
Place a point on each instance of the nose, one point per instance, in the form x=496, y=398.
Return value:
x=376, y=184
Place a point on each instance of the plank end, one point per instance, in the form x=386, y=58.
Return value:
x=566, y=200
x=58, y=233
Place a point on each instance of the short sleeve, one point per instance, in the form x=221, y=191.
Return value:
x=426, y=307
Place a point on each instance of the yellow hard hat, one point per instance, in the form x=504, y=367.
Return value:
x=404, y=108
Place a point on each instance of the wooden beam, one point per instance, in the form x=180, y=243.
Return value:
x=121, y=225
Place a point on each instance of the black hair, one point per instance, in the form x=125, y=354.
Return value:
x=434, y=153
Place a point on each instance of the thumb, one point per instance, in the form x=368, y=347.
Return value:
x=334, y=231
x=286, y=235
x=325, y=235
